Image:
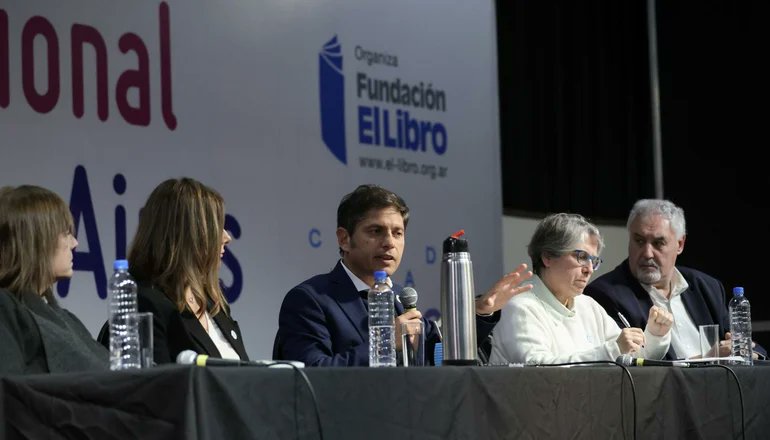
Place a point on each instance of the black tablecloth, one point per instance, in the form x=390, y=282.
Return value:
x=387, y=403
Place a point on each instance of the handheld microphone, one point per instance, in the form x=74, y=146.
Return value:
x=408, y=297
x=189, y=357
x=629, y=361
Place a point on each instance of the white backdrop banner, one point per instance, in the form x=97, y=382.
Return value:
x=282, y=106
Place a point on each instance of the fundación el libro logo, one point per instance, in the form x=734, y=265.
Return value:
x=402, y=115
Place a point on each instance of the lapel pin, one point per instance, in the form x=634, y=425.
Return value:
x=233, y=334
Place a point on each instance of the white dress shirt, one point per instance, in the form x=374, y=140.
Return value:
x=359, y=283
x=223, y=345
x=685, y=338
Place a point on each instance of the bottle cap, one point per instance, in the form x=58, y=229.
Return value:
x=454, y=243
x=380, y=276
x=120, y=265
x=738, y=291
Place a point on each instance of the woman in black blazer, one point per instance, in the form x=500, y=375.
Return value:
x=175, y=258
x=36, y=244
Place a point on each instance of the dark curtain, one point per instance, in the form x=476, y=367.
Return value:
x=576, y=125
x=713, y=100
x=574, y=107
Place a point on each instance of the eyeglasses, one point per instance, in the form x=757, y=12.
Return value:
x=584, y=259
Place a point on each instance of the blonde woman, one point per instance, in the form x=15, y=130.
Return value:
x=175, y=258
x=36, y=244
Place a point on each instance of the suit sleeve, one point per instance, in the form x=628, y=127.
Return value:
x=161, y=351
x=716, y=290
x=304, y=334
x=485, y=325
x=760, y=349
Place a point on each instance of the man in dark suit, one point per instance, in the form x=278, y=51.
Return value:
x=324, y=320
x=649, y=276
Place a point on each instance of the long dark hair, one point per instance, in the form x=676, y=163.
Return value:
x=32, y=220
x=178, y=240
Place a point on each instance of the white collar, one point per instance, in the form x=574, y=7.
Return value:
x=677, y=285
x=357, y=282
x=547, y=297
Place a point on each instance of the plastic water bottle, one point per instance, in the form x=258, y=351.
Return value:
x=124, y=328
x=382, y=331
x=740, y=326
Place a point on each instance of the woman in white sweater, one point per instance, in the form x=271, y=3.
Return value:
x=555, y=322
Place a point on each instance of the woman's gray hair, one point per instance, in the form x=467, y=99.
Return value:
x=558, y=234
x=666, y=209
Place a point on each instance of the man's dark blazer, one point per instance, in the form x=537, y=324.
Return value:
x=174, y=332
x=323, y=322
x=619, y=291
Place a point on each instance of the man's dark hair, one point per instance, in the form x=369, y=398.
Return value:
x=354, y=206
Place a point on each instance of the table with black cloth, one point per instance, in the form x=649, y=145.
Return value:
x=175, y=402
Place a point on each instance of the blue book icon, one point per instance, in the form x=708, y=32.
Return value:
x=332, y=96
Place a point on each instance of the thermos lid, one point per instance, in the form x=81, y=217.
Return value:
x=454, y=243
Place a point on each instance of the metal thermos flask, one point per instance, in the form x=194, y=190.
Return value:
x=458, y=306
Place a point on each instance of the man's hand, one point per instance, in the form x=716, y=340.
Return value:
x=659, y=321
x=503, y=290
x=630, y=340
x=410, y=315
